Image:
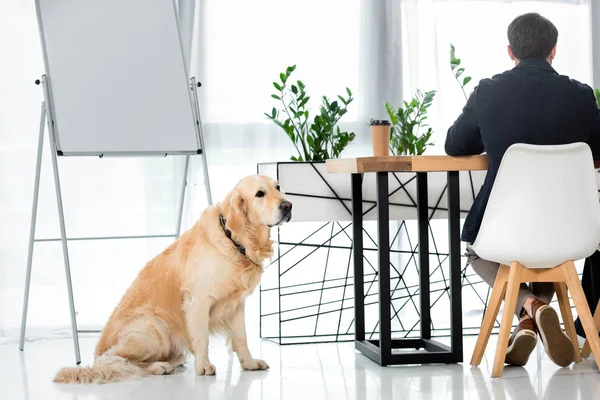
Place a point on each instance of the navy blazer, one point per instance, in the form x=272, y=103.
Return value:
x=530, y=103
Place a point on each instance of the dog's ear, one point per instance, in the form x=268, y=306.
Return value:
x=234, y=211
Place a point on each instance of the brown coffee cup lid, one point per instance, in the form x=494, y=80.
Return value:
x=380, y=122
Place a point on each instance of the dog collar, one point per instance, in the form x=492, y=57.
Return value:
x=238, y=246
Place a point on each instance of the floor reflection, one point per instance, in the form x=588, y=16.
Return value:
x=308, y=372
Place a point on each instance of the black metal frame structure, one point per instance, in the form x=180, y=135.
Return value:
x=381, y=351
x=403, y=289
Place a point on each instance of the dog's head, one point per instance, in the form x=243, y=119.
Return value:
x=256, y=200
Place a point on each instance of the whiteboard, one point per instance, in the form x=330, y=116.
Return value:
x=116, y=76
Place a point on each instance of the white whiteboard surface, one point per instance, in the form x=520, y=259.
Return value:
x=117, y=77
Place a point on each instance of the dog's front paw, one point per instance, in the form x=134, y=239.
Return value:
x=160, y=368
x=254, y=364
x=204, y=368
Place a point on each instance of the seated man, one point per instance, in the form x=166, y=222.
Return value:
x=530, y=103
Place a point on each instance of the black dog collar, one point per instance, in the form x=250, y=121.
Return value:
x=238, y=246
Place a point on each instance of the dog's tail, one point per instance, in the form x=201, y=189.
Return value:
x=104, y=370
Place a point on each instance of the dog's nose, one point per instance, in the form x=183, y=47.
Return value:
x=285, y=206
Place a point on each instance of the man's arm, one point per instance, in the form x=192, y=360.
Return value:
x=463, y=137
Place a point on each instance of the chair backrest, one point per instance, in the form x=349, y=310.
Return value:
x=543, y=209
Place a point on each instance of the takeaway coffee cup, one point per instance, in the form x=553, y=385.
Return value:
x=380, y=136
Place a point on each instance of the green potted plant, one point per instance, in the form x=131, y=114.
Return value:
x=317, y=137
x=407, y=121
x=320, y=200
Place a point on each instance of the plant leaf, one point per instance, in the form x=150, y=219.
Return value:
x=454, y=62
x=316, y=140
x=466, y=80
x=303, y=102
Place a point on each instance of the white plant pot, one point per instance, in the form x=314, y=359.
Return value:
x=320, y=197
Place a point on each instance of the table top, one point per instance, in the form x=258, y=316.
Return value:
x=410, y=164
x=407, y=164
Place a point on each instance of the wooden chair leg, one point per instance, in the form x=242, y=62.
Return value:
x=587, y=350
x=491, y=313
x=567, y=316
x=510, y=303
x=582, y=308
x=585, y=353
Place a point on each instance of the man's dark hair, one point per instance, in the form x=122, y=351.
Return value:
x=532, y=36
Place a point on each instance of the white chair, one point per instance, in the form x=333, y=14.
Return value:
x=543, y=213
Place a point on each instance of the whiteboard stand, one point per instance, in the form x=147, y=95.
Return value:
x=47, y=117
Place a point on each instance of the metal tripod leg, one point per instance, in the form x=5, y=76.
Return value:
x=182, y=197
x=63, y=236
x=196, y=108
x=36, y=192
x=205, y=169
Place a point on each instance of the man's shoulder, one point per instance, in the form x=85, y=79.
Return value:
x=574, y=89
x=512, y=75
x=575, y=83
x=508, y=74
x=498, y=79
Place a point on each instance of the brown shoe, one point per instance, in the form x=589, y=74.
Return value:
x=521, y=343
x=558, y=346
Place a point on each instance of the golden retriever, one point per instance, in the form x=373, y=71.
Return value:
x=197, y=286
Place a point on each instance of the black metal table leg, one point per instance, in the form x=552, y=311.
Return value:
x=383, y=235
x=424, y=290
x=380, y=350
x=455, y=266
x=357, y=248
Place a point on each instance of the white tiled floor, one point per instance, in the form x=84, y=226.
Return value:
x=311, y=372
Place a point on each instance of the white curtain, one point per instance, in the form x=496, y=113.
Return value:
x=594, y=18
x=381, y=49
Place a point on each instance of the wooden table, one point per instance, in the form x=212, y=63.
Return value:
x=380, y=350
